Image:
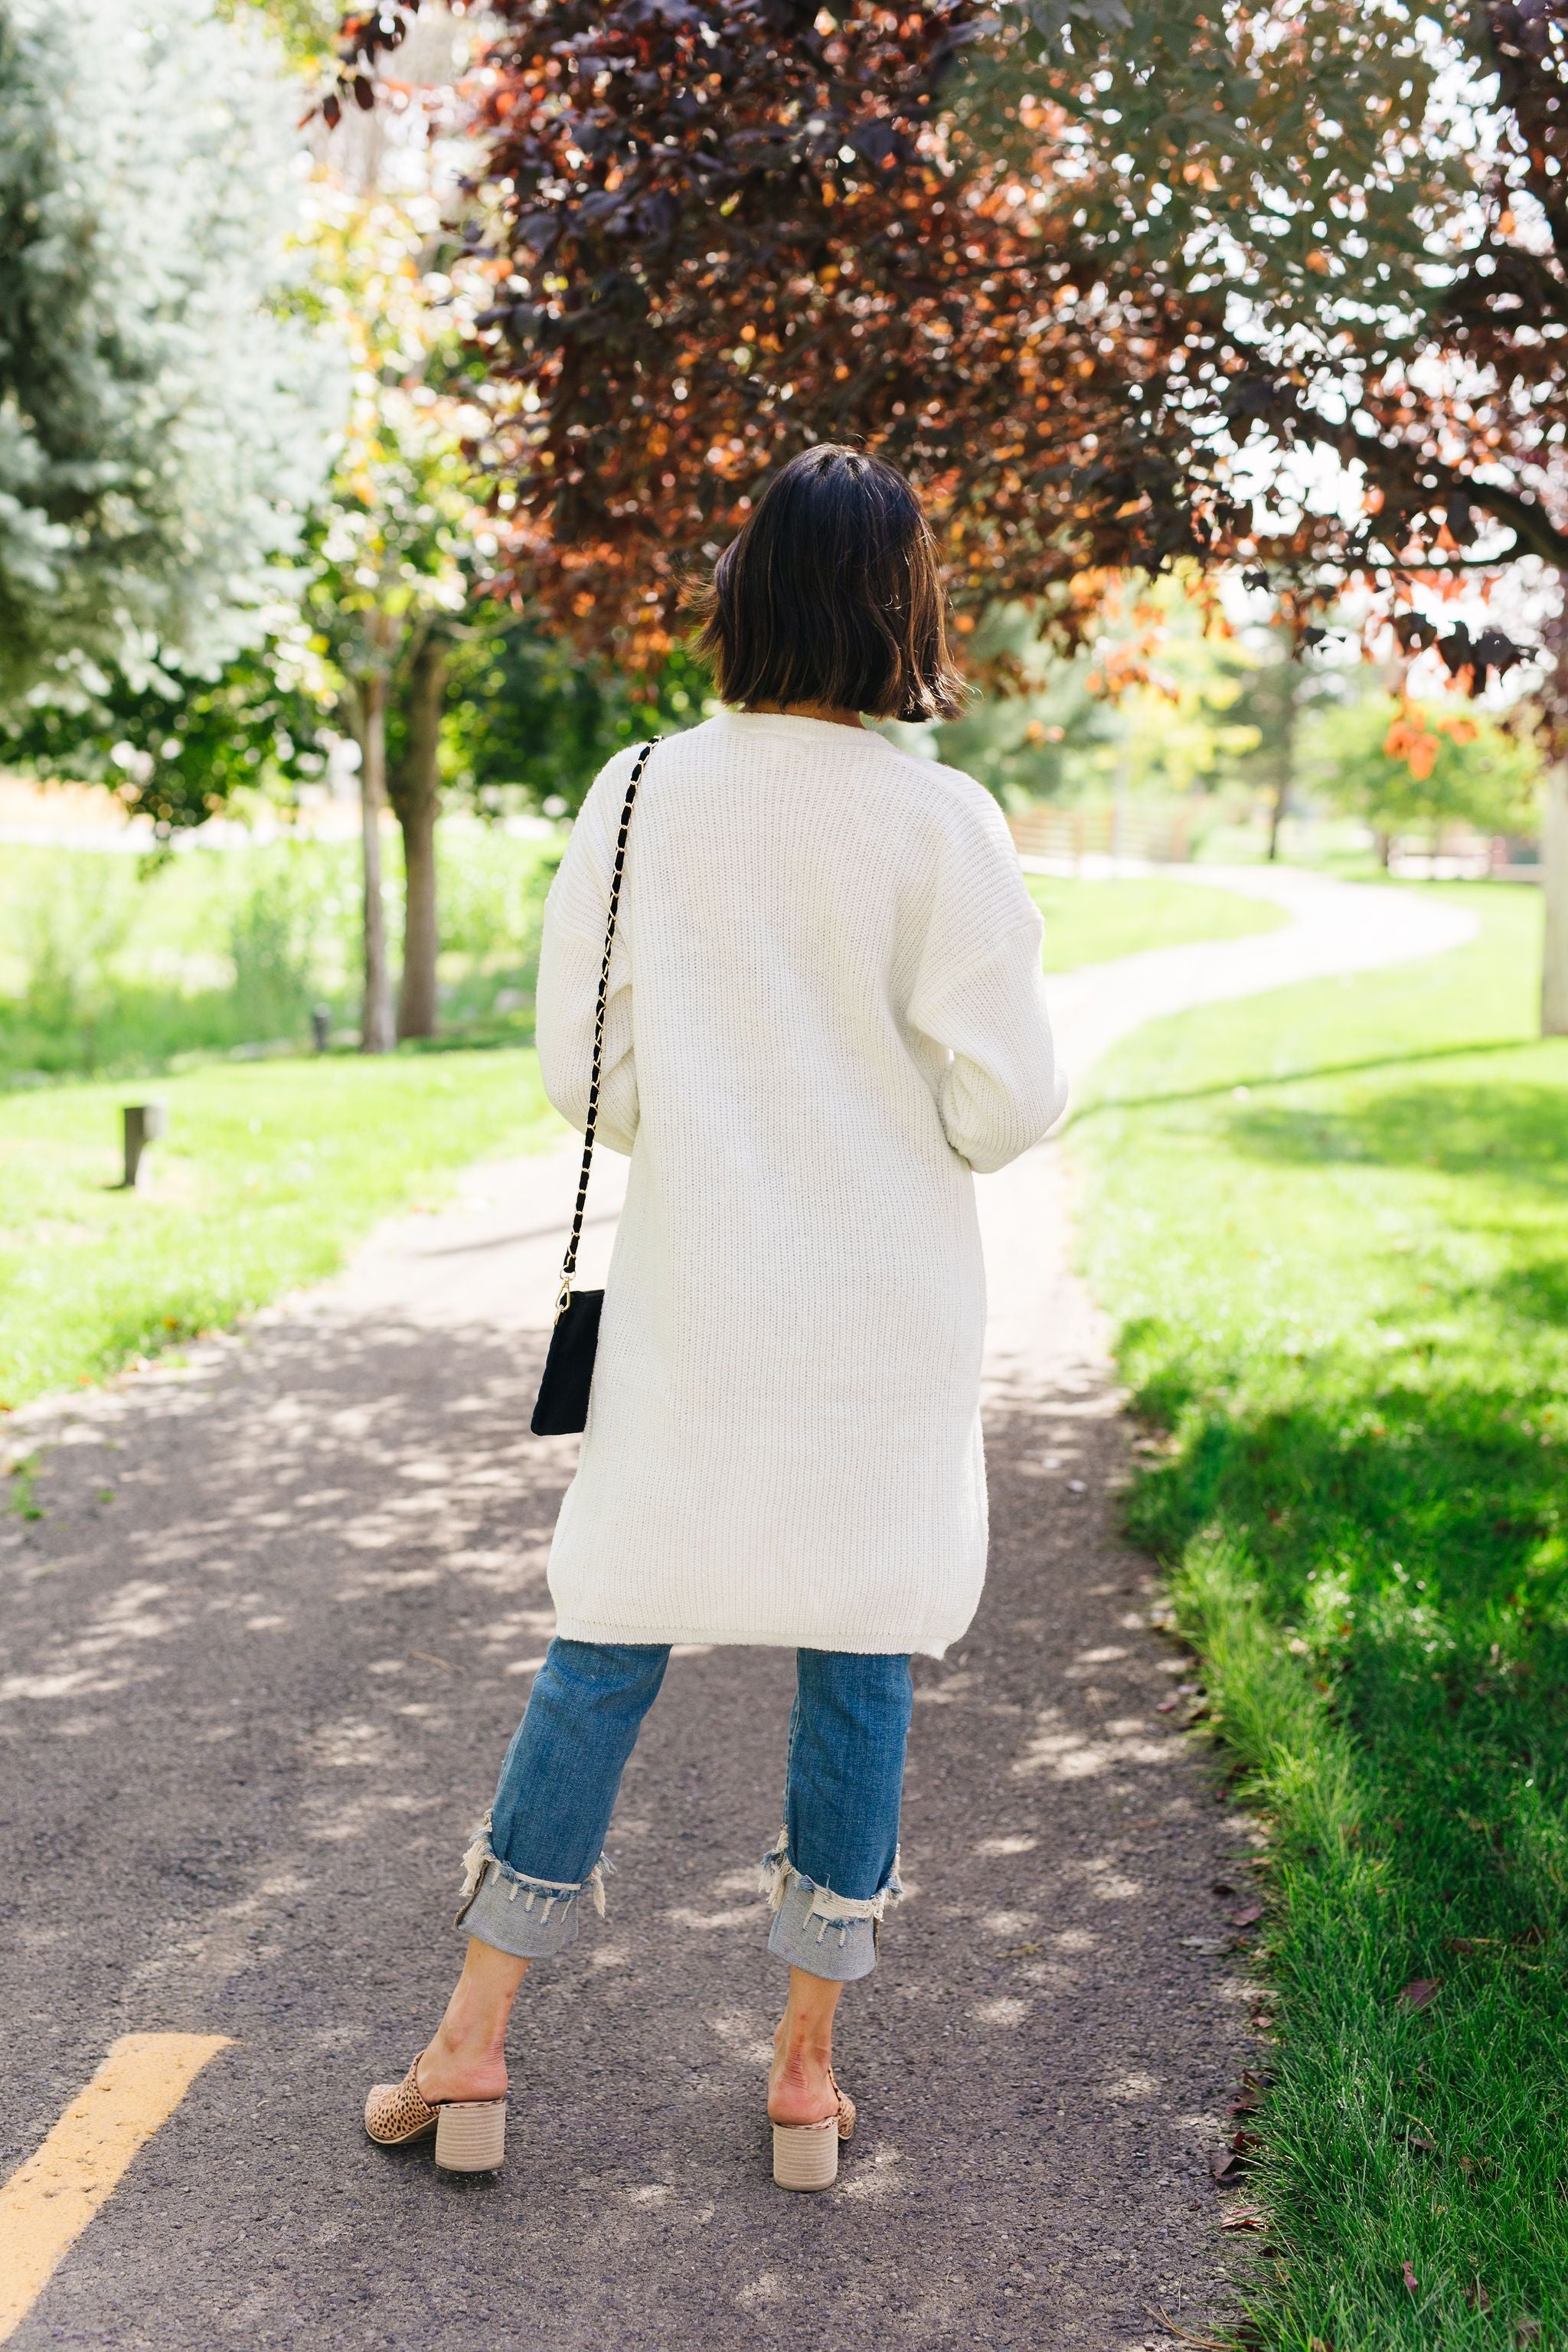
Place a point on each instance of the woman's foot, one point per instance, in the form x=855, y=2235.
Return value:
x=801, y=2089
x=451, y=2068
x=466, y=2056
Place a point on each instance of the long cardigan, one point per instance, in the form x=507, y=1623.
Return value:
x=825, y=1016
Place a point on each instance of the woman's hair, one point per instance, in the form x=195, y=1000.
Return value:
x=830, y=594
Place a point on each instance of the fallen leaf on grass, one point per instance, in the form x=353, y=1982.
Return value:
x=1410, y=2279
x=1318, y=2344
x=1477, y=2298
x=1247, y=1916
x=1527, y=2330
x=1225, y=2163
x=1166, y=1705
x=1254, y=2090
x=1243, y=2217
x=1420, y=1993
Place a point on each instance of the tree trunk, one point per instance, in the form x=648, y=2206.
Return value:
x=417, y=800
x=375, y=1019
x=1276, y=816
x=1284, y=773
x=1554, y=876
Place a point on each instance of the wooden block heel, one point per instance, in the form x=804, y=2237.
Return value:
x=805, y=2156
x=471, y=2135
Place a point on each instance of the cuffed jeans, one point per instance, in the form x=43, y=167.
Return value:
x=830, y=1878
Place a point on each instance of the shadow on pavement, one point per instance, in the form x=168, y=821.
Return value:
x=264, y=1650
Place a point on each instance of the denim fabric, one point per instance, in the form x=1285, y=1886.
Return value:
x=836, y=1868
x=830, y=1876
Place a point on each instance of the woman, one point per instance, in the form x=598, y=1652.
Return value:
x=825, y=1011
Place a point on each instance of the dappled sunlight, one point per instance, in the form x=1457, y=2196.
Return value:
x=352, y=1819
x=327, y=1598
x=1076, y=1755
x=1048, y=1976
x=196, y=1965
x=1006, y=2010
x=1135, y=2085
x=873, y=2174
x=709, y=1922
x=1106, y=1883
x=768, y=2288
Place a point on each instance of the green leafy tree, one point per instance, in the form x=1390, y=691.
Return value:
x=399, y=559
x=1363, y=212
x=178, y=747
x=529, y=714
x=164, y=423
x=1280, y=686
x=1151, y=705
x=1409, y=767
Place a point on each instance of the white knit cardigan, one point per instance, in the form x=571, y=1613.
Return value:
x=826, y=1011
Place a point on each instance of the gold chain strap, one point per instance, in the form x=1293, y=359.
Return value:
x=569, y=1264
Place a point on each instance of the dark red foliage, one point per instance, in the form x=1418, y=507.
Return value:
x=718, y=232
x=719, y=229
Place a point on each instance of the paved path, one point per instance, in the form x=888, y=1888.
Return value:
x=260, y=1657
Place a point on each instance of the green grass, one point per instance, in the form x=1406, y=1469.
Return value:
x=1333, y=1224
x=115, y=965
x=1090, y=921
x=112, y=964
x=272, y=1170
x=268, y=1172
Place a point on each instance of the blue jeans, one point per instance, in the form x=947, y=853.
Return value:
x=833, y=1872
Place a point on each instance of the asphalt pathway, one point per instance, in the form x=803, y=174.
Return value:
x=260, y=1655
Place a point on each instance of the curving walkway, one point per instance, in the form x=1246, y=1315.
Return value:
x=1334, y=928
x=260, y=1656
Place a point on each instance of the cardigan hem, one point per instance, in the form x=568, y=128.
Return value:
x=622, y=1636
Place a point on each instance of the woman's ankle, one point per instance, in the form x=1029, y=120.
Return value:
x=800, y=2087
x=469, y=2041
x=457, y=2069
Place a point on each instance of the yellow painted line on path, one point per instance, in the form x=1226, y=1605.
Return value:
x=47, y=2203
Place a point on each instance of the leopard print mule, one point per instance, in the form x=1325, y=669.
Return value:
x=470, y=2134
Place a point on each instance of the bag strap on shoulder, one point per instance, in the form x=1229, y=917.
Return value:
x=569, y=1264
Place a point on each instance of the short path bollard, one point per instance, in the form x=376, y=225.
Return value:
x=144, y=1123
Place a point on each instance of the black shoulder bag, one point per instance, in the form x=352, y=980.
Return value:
x=561, y=1404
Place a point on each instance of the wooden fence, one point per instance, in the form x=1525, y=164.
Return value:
x=1158, y=834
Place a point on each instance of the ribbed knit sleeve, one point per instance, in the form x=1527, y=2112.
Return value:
x=1001, y=1090
x=981, y=997
x=571, y=951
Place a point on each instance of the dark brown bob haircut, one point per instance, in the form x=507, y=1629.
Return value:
x=830, y=594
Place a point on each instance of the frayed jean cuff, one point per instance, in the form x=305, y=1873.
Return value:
x=531, y=1918
x=827, y=1934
